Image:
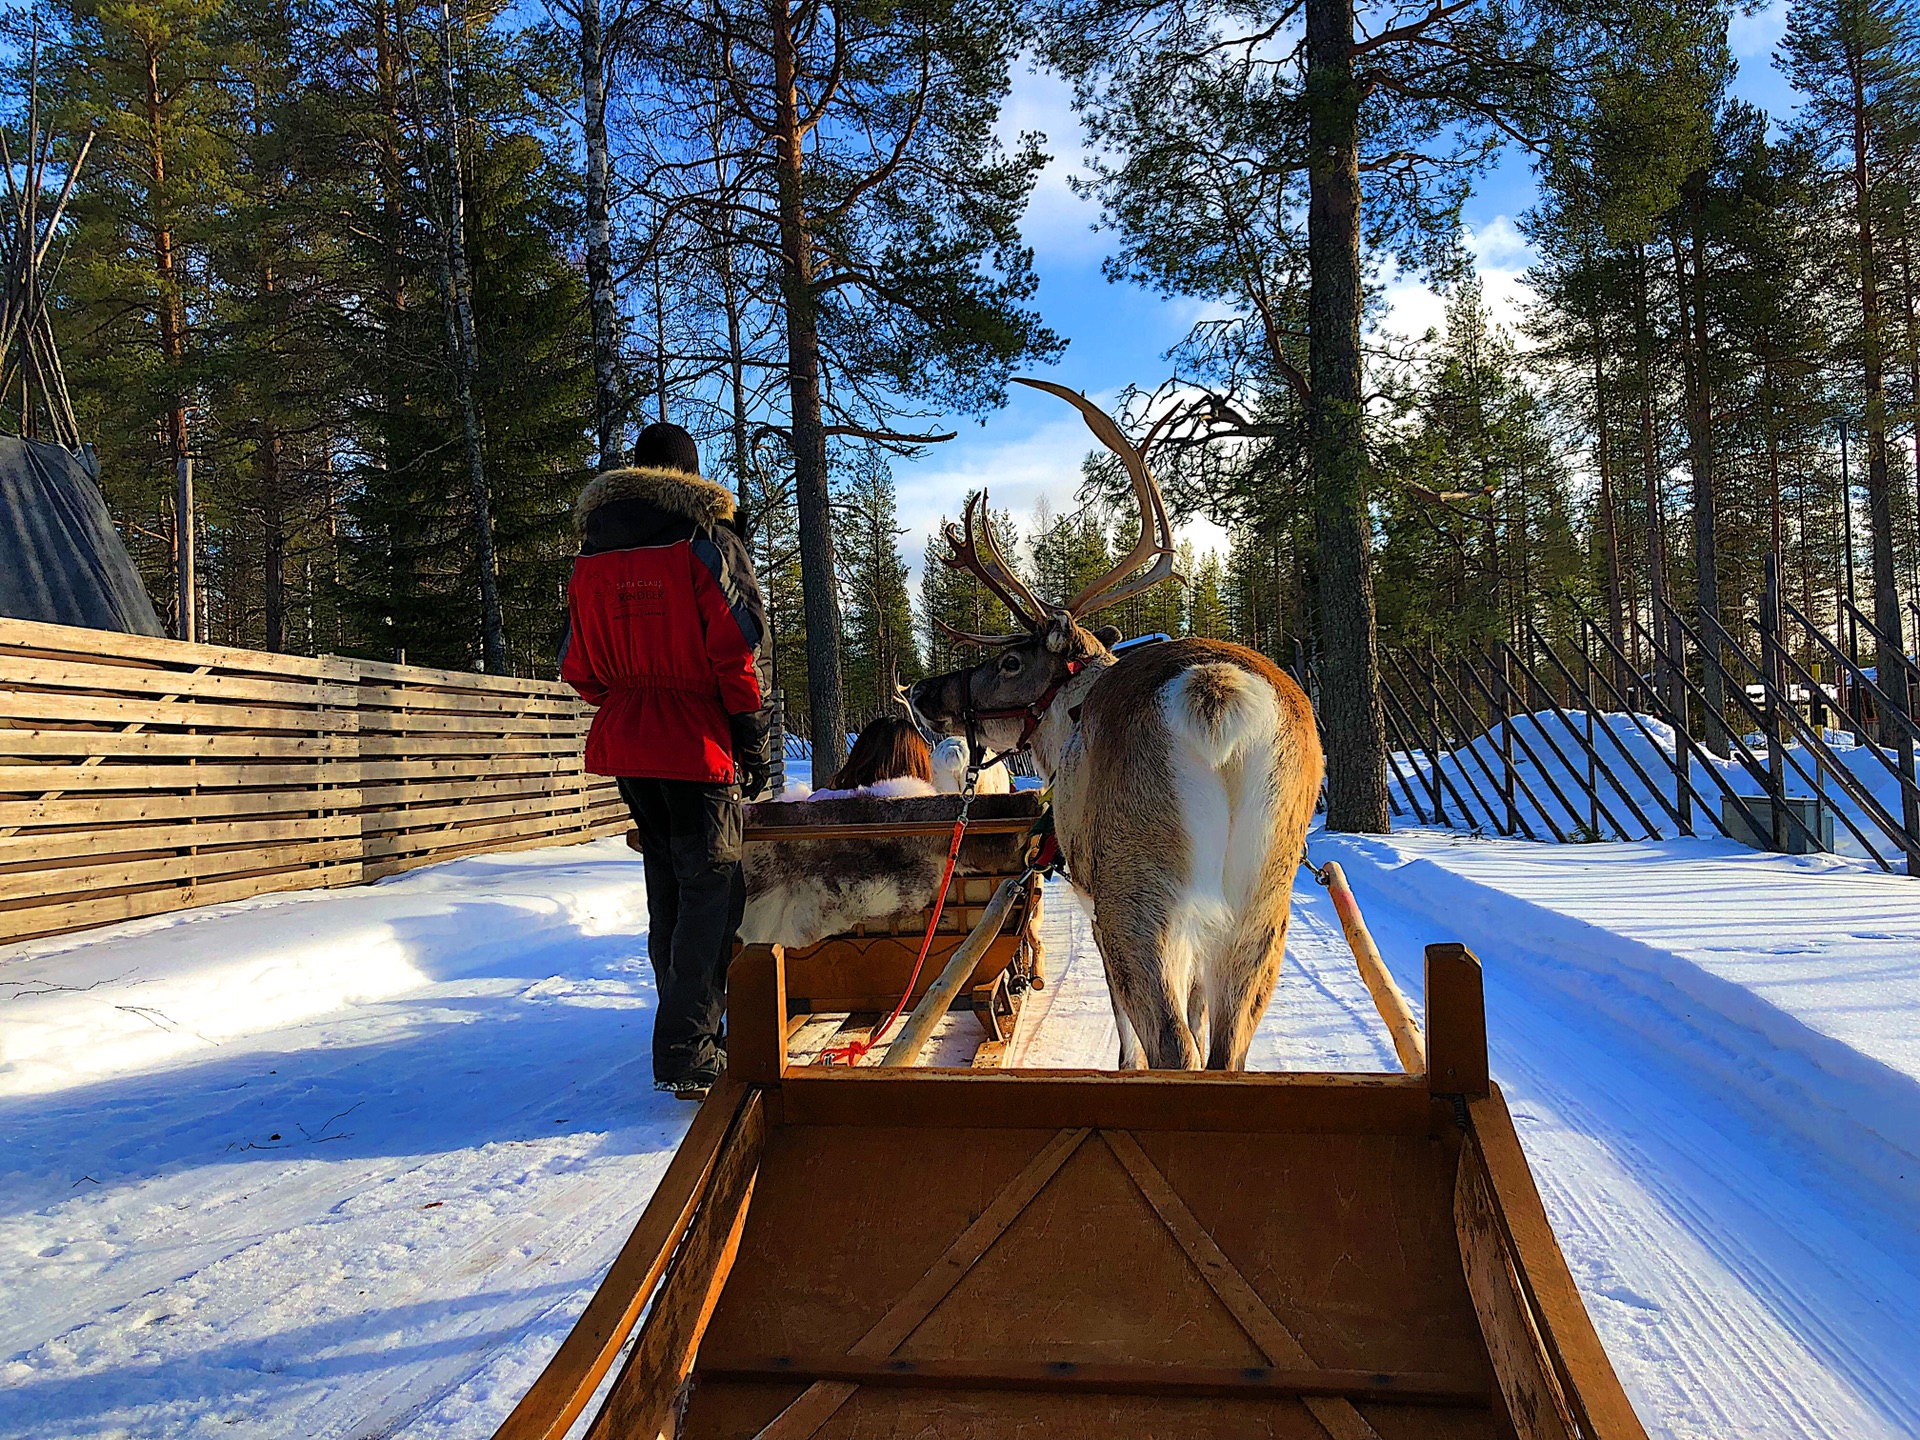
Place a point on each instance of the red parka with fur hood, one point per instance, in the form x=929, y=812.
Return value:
x=668, y=628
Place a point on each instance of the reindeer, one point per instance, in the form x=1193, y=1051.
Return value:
x=1184, y=778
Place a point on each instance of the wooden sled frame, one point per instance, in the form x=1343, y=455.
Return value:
x=862, y=972
x=1546, y=1374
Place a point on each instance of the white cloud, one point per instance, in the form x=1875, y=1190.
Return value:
x=1752, y=37
x=1058, y=224
x=1019, y=461
x=1501, y=258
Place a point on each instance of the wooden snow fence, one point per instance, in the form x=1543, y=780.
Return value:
x=139, y=776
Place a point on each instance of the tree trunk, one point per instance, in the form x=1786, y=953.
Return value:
x=1649, y=454
x=464, y=350
x=1609, y=517
x=1888, y=656
x=1349, y=684
x=819, y=582
x=731, y=304
x=1690, y=294
x=1913, y=355
x=1776, y=520
x=173, y=347
x=601, y=305
x=660, y=342
x=273, y=531
x=393, y=179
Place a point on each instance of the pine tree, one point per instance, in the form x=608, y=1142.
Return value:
x=891, y=210
x=1241, y=120
x=1856, y=65
x=147, y=73
x=1207, y=615
x=957, y=598
x=879, y=642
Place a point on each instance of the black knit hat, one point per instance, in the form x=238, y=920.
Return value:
x=667, y=447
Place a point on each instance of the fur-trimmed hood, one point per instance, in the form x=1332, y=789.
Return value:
x=675, y=491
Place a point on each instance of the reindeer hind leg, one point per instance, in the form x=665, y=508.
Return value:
x=1144, y=1000
x=1243, y=980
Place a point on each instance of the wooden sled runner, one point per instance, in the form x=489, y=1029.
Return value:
x=973, y=1253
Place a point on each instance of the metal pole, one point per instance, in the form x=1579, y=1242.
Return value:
x=1593, y=756
x=1674, y=659
x=186, y=626
x=1502, y=711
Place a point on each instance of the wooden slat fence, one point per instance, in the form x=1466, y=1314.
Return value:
x=139, y=776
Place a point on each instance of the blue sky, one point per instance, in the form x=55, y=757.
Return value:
x=1118, y=333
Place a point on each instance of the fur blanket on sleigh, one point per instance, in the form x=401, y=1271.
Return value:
x=801, y=891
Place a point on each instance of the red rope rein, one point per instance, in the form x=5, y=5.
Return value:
x=854, y=1051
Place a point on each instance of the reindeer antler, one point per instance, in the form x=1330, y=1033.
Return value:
x=978, y=554
x=1151, y=559
x=985, y=642
x=905, y=702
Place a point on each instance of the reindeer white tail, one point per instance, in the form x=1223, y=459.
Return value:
x=1224, y=725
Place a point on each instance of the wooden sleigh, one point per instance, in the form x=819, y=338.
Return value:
x=839, y=988
x=970, y=1253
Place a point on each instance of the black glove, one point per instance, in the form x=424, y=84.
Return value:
x=756, y=776
x=750, y=754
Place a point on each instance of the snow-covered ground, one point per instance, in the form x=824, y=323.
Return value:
x=348, y=1163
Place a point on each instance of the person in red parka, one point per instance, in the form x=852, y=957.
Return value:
x=668, y=641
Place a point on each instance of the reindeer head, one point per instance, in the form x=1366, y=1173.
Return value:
x=1002, y=700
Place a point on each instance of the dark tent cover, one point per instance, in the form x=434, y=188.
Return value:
x=61, y=560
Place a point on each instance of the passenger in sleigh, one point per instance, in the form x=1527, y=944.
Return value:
x=890, y=760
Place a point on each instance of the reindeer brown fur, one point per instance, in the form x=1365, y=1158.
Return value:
x=1184, y=778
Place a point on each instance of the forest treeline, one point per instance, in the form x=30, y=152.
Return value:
x=398, y=276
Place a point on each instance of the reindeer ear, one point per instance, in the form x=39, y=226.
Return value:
x=1108, y=635
x=1059, y=632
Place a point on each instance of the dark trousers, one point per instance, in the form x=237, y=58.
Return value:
x=690, y=836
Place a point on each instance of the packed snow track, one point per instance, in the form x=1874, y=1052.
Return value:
x=349, y=1163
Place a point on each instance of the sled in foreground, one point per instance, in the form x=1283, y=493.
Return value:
x=843, y=1252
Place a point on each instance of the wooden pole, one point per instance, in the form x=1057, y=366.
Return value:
x=1408, y=1041
x=918, y=1030
x=1456, y=1023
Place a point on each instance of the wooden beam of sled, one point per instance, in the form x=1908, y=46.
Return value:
x=933, y=1005
x=1408, y=1041
x=1505, y=1237
x=888, y=830
x=817, y=1403
x=555, y=1401
x=1239, y=1382
x=648, y=1386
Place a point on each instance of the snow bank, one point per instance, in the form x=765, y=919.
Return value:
x=1788, y=984
x=380, y=1218
x=133, y=996
x=356, y=1176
